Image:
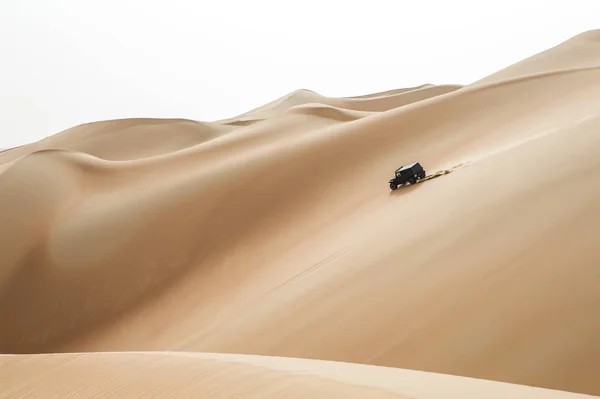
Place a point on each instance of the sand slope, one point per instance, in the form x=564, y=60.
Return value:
x=274, y=233
x=207, y=375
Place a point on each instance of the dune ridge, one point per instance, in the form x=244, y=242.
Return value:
x=125, y=139
x=273, y=233
x=575, y=53
x=376, y=102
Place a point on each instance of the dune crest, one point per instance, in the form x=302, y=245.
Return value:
x=580, y=51
x=274, y=233
x=376, y=102
x=125, y=139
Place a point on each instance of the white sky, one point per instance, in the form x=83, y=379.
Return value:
x=66, y=62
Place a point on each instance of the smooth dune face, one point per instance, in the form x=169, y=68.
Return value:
x=185, y=375
x=274, y=233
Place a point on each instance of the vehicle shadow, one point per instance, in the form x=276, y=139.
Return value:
x=403, y=189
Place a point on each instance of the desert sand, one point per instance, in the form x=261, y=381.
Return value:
x=265, y=255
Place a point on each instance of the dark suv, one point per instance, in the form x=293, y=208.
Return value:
x=407, y=174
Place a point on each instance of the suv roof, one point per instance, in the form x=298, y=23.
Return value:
x=410, y=165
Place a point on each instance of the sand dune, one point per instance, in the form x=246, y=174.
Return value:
x=184, y=375
x=274, y=233
x=376, y=102
x=126, y=139
x=580, y=51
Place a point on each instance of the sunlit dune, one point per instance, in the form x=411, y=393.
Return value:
x=378, y=102
x=126, y=139
x=178, y=375
x=265, y=247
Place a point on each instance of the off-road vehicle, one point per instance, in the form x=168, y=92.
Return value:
x=407, y=174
